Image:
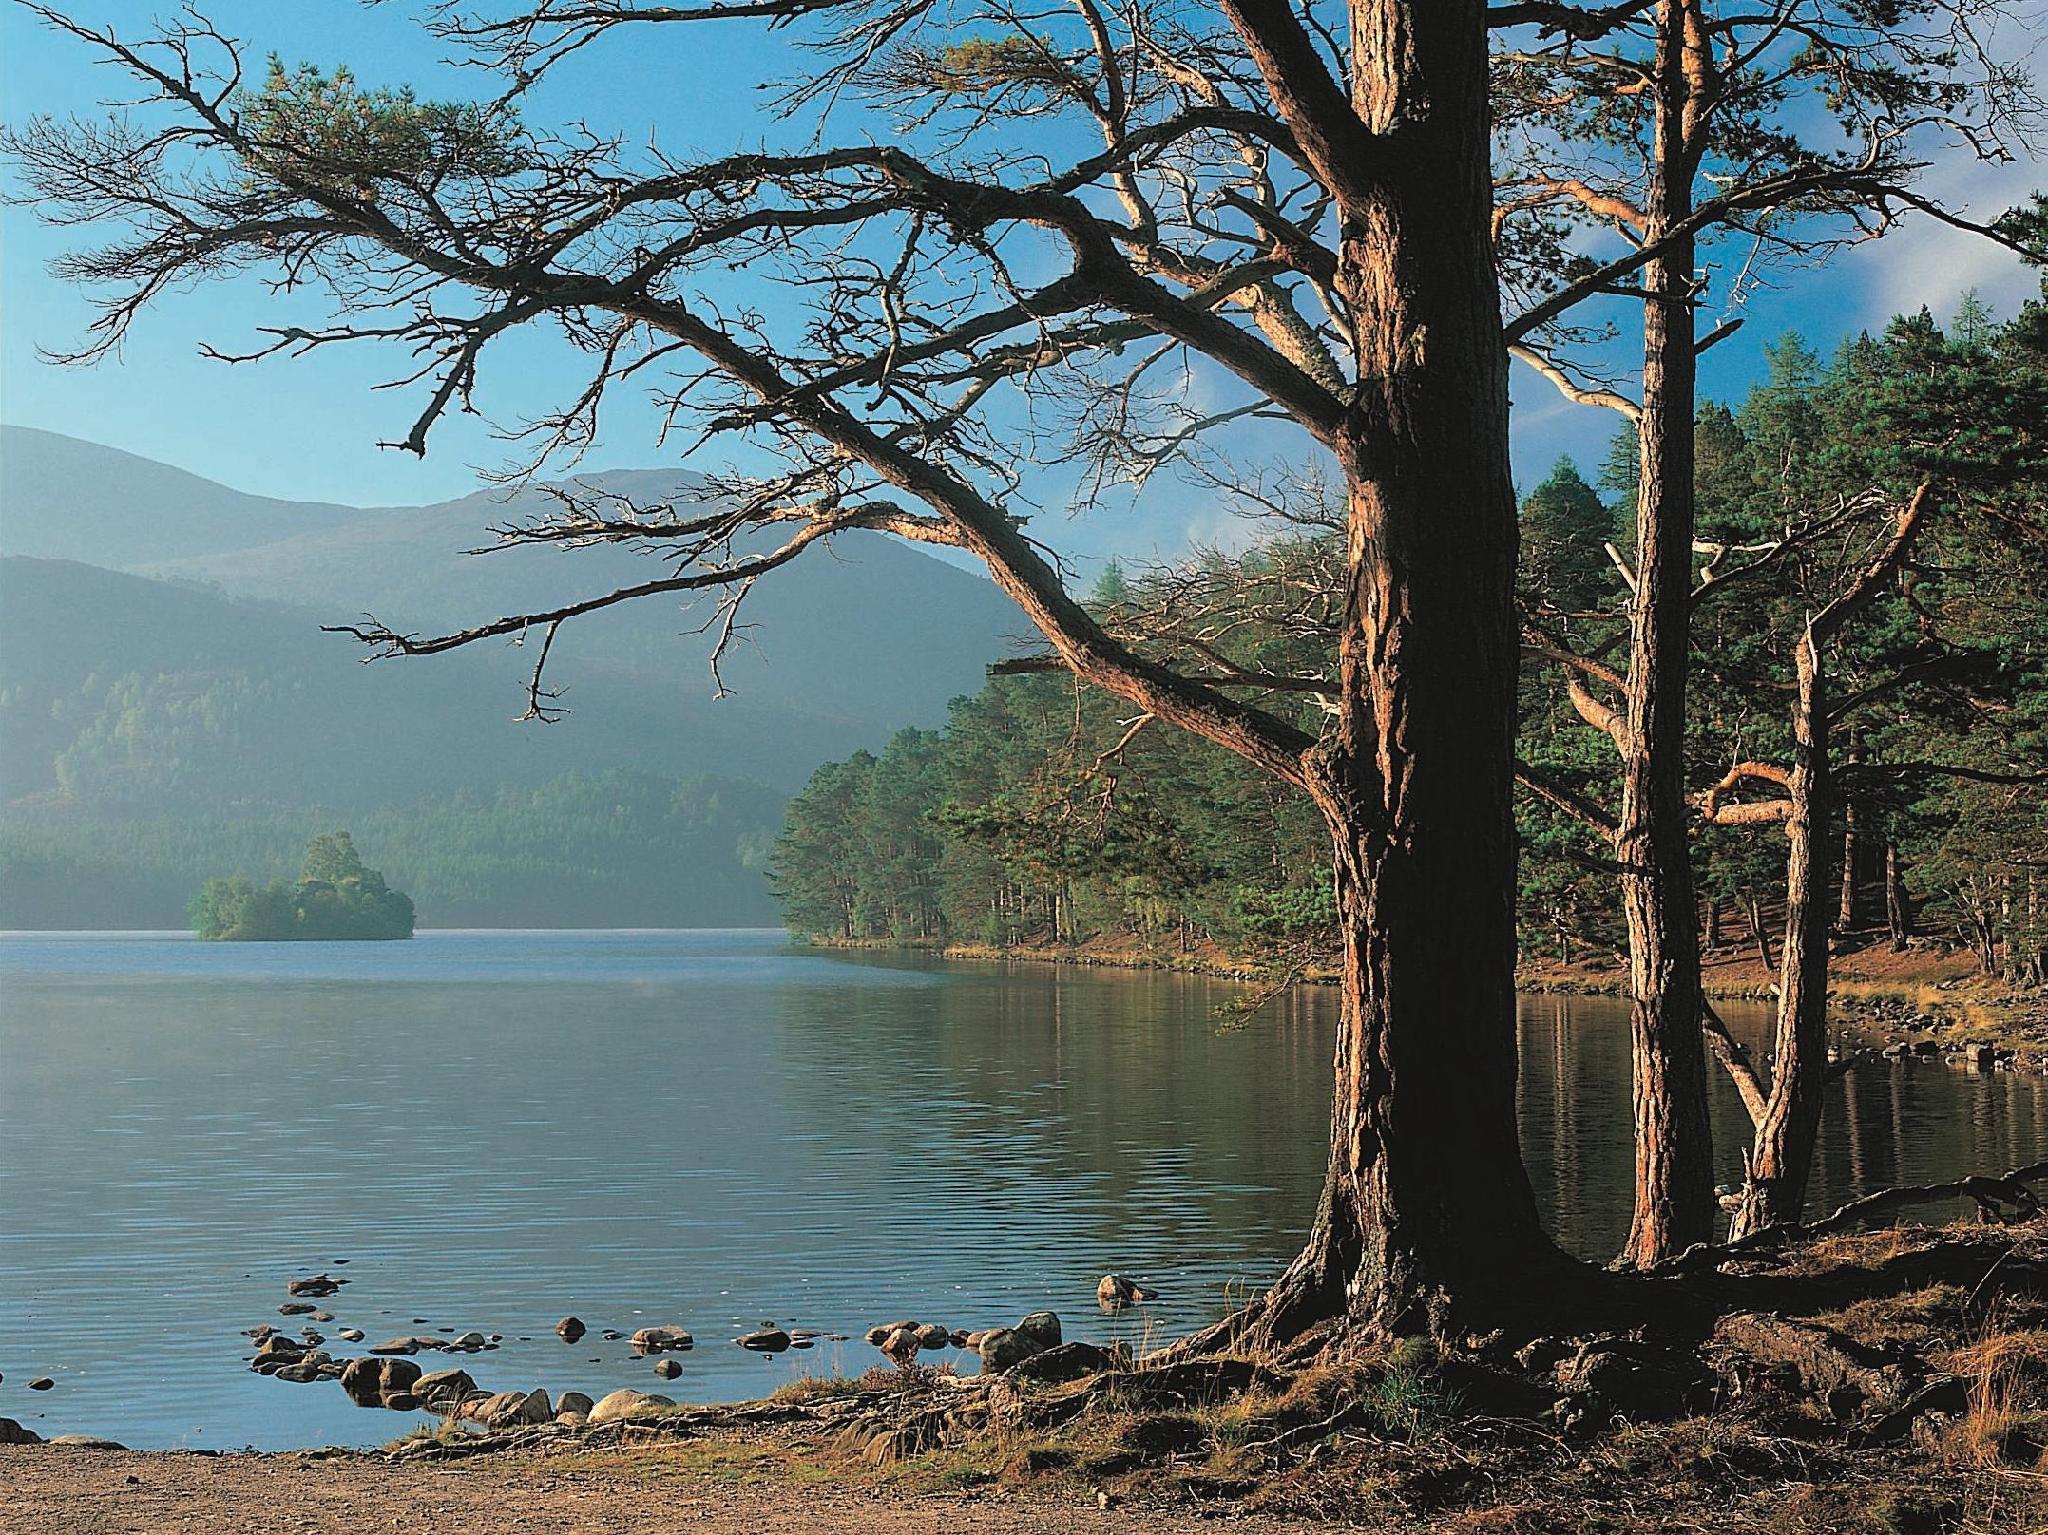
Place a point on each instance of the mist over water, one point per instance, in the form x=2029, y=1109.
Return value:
x=709, y=1129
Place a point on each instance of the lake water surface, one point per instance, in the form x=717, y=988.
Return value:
x=711, y=1129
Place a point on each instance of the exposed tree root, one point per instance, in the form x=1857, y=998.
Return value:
x=1992, y=1195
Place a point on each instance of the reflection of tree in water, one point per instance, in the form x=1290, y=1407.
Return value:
x=1099, y=1118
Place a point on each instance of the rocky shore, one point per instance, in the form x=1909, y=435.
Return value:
x=389, y=1375
x=1883, y=1381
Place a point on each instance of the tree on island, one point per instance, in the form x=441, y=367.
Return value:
x=336, y=897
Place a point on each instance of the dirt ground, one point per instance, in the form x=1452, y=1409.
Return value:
x=52, y=1490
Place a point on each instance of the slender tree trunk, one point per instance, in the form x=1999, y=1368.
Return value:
x=1427, y=1216
x=1781, y=1155
x=1898, y=906
x=1713, y=938
x=1761, y=934
x=1674, y=1183
x=1848, y=915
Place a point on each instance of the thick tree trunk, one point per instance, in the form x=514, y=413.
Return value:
x=1427, y=1218
x=1674, y=1183
x=1781, y=1154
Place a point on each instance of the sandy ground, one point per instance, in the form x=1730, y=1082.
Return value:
x=59, y=1491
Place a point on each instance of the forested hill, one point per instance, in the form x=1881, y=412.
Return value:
x=610, y=849
x=849, y=642
x=162, y=667
x=1031, y=820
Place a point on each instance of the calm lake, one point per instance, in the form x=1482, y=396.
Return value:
x=494, y=1130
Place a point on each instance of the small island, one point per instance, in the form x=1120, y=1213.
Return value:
x=336, y=898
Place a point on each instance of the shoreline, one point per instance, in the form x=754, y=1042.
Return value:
x=1880, y=995
x=1908, y=1398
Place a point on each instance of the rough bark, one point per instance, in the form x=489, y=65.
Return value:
x=1427, y=1216
x=1781, y=1153
x=1674, y=1193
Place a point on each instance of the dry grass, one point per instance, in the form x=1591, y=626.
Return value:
x=2007, y=1420
x=1910, y=1320
x=1869, y=1250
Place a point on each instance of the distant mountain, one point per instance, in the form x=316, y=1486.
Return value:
x=122, y=695
x=218, y=634
x=63, y=499
x=169, y=706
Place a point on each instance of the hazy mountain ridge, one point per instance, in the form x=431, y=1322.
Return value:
x=62, y=498
x=843, y=647
x=145, y=682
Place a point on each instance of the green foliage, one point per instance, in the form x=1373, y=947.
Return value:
x=1565, y=530
x=1031, y=819
x=1409, y=1400
x=1038, y=816
x=324, y=129
x=336, y=897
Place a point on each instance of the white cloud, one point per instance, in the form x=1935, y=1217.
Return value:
x=1929, y=263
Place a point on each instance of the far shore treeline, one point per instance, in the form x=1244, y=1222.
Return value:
x=337, y=896
x=1045, y=814
x=616, y=848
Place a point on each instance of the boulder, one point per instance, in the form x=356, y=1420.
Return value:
x=1116, y=1291
x=764, y=1340
x=1003, y=1347
x=402, y=1401
x=1057, y=1366
x=569, y=1329
x=297, y=1308
x=86, y=1442
x=508, y=1409
x=41, y=1383
x=667, y=1369
x=370, y=1381
x=319, y=1284
x=573, y=1401
x=470, y=1341
x=934, y=1335
x=449, y=1386
x=405, y=1345
x=12, y=1432
x=901, y=1346
x=1042, y=1327
x=661, y=1340
x=312, y=1367
x=278, y=1344
x=622, y=1405
x=350, y=1335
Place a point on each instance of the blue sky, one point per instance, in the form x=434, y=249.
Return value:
x=309, y=429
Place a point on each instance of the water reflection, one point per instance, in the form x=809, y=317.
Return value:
x=711, y=1129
